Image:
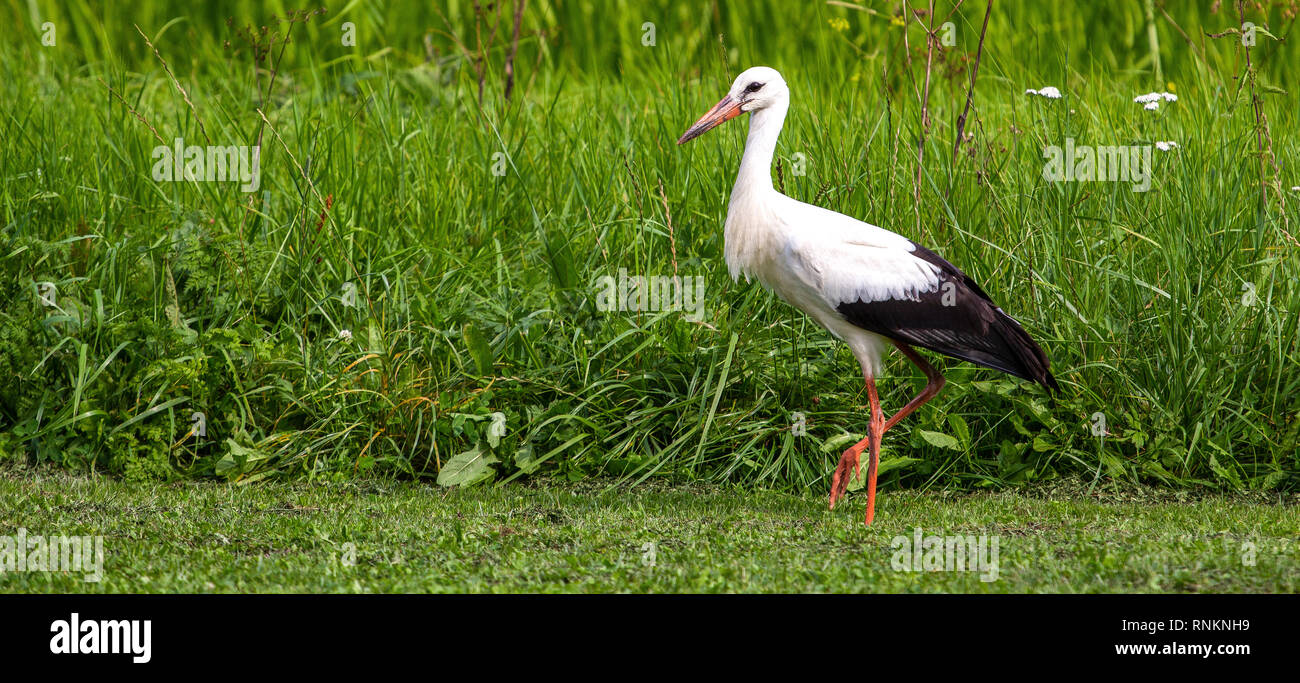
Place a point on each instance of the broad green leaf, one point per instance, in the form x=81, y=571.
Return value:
x=940, y=440
x=840, y=441
x=468, y=468
x=239, y=458
x=961, y=429
x=478, y=348
x=526, y=459
x=892, y=464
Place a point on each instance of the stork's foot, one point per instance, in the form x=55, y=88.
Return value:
x=850, y=465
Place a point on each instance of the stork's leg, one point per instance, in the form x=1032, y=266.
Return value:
x=848, y=466
x=934, y=383
x=932, y=386
x=877, y=431
x=849, y=462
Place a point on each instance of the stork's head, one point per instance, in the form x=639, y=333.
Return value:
x=755, y=89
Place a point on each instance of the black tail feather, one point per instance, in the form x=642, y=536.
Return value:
x=959, y=321
x=1032, y=362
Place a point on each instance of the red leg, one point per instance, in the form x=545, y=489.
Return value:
x=932, y=387
x=849, y=462
x=877, y=431
x=848, y=466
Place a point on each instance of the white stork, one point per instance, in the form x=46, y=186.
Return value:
x=866, y=285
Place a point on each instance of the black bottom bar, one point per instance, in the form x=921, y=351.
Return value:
x=736, y=632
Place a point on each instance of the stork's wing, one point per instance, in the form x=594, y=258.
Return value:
x=884, y=283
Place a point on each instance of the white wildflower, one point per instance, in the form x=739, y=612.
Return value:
x=345, y=335
x=1151, y=100
x=1165, y=146
x=1048, y=91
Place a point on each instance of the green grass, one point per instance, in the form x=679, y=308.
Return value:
x=474, y=291
x=558, y=537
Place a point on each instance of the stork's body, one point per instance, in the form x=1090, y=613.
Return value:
x=868, y=286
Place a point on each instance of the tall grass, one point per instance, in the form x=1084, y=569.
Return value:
x=472, y=231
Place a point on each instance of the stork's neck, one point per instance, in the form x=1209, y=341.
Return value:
x=755, y=177
x=749, y=240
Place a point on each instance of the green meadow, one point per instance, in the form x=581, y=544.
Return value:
x=553, y=536
x=369, y=246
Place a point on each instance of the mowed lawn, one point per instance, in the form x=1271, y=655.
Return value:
x=545, y=536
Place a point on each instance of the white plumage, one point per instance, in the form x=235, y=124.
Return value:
x=868, y=286
x=813, y=258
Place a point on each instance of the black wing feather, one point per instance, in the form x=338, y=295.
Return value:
x=957, y=319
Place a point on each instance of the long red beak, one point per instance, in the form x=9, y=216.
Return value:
x=721, y=112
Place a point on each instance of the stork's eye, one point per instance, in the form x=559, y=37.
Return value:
x=753, y=87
